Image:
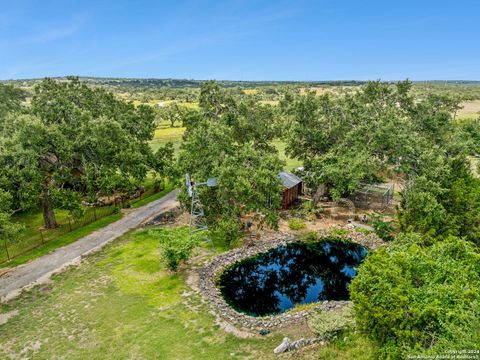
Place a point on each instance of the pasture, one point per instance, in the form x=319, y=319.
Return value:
x=470, y=110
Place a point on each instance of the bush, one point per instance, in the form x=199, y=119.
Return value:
x=309, y=236
x=383, y=229
x=363, y=231
x=296, y=224
x=328, y=324
x=176, y=245
x=411, y=297
x=339, y=232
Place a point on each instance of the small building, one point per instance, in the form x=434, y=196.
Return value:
x=292, y=188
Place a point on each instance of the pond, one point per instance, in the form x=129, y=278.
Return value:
x=298, y=273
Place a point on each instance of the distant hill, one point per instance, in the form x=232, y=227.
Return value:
x=182, y=83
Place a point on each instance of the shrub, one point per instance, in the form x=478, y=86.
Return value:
x=309, y=236
x=309, y=211
x=339, y=232
x=363, y=231
x=296, y=224
x=328, y=324
x=384, y=229
x=412, y=297
x=176, y=245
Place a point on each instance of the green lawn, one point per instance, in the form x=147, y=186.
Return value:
x=164, y=135
x=291, y=163
x=122, y=303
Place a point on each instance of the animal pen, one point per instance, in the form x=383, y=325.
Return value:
x=373, y=196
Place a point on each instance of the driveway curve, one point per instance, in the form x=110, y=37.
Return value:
x=39, y=270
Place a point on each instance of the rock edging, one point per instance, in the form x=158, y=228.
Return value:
x=209, y=273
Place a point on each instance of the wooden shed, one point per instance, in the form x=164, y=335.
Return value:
x=292, y=188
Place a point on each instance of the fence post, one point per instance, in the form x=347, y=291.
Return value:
x=41, y=236
x=70, y=223
x=6, y=249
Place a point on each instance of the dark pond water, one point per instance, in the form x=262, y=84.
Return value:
x=299, y=273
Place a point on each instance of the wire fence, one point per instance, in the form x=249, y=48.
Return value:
x=32, y=239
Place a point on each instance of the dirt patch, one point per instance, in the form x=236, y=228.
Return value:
x=5, y=271
x=6, y=316
x=166, y=218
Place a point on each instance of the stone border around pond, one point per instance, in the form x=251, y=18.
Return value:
x=209, y=274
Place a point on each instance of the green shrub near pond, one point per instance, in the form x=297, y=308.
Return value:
x=176, y=245
x=226, y=233
x=417, y=299
x=329, y=324
x=363, y=231
x=339, y=232
x=296, y=224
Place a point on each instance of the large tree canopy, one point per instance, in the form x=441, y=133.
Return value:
x=230, y=141
x=442, y=202
x=344, y=140
x=11, y=99
x=77, y=141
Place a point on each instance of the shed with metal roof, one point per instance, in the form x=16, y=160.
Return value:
x=292, y=188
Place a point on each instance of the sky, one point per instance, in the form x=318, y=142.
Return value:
x=241, y=39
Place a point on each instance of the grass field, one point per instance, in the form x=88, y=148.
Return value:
x=123, y=304
x=471, y=109
x=291, y=163
x=168, y=134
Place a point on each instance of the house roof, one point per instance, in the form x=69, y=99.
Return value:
x=289, y=180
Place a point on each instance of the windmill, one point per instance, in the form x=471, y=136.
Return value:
x=197, y=216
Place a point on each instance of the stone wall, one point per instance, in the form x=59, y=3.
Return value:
x=209, y=274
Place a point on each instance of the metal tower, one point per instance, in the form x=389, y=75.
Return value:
x=197, y=216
